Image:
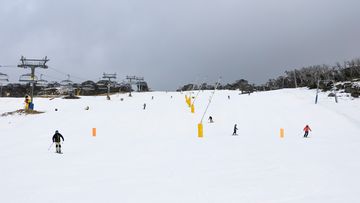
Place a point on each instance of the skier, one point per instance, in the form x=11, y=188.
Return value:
x=235, y=129
x=228, y=96
x=56, y=139
x=210, y=119
x=144, y=106
x=306, y=129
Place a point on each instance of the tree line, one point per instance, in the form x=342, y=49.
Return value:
x=323, y=76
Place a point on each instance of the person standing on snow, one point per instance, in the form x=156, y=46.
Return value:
x=210, y=119
x=144, y=106
x=56, y=139
x=235, y=129
x=27, y=102
x=306, y=129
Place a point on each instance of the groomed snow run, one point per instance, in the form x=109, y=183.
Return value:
x=154, y=155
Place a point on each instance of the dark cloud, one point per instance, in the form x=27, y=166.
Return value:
x=174, y=42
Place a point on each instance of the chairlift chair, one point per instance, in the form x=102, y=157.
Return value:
x=88, y=87
x=102, y=84
x=4, y=77
x=67, y=82
x=27, y=78
x=41, y=82
x=67, y=86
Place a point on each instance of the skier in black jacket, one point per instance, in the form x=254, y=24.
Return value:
x=235, y=129
x=56, y=139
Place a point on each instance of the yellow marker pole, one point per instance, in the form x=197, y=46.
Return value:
x=192, y=108
x=94, y=132
x=189, y=102
x=282, y=133
x=200, y=130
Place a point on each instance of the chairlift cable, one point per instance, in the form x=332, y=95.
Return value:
x=210, y=99
x=8, y=66
x=73, y=76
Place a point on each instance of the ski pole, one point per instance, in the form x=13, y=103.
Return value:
x=51, y=146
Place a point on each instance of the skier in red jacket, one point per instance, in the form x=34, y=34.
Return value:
x=306, y=129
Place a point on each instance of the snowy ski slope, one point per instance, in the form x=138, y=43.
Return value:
x=154, y=155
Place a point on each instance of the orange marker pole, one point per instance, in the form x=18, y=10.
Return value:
x=94, y=132
x=282, y=133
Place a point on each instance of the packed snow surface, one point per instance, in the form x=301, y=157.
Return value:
x=154, y=155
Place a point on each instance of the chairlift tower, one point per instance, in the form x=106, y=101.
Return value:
x=295, y=78
x=33, y=64
x=109, y=77
x=333, y=90
x=139, y=83
x=134, y=80
x=3, y=78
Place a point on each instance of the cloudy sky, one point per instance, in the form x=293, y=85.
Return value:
x=173, y=42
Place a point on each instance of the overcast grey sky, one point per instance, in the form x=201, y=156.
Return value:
x=173, y=42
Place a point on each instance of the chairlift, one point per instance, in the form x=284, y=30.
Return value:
x=102, y=84
x=141, y=85
x=88, y=87
x=66, y=86
x=27, y=78
x=4, y=77
x=109, y=76
x=54, y=84
x=67, y=82
x=41, y=82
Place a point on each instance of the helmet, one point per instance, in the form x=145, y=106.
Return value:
x=56, y=131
